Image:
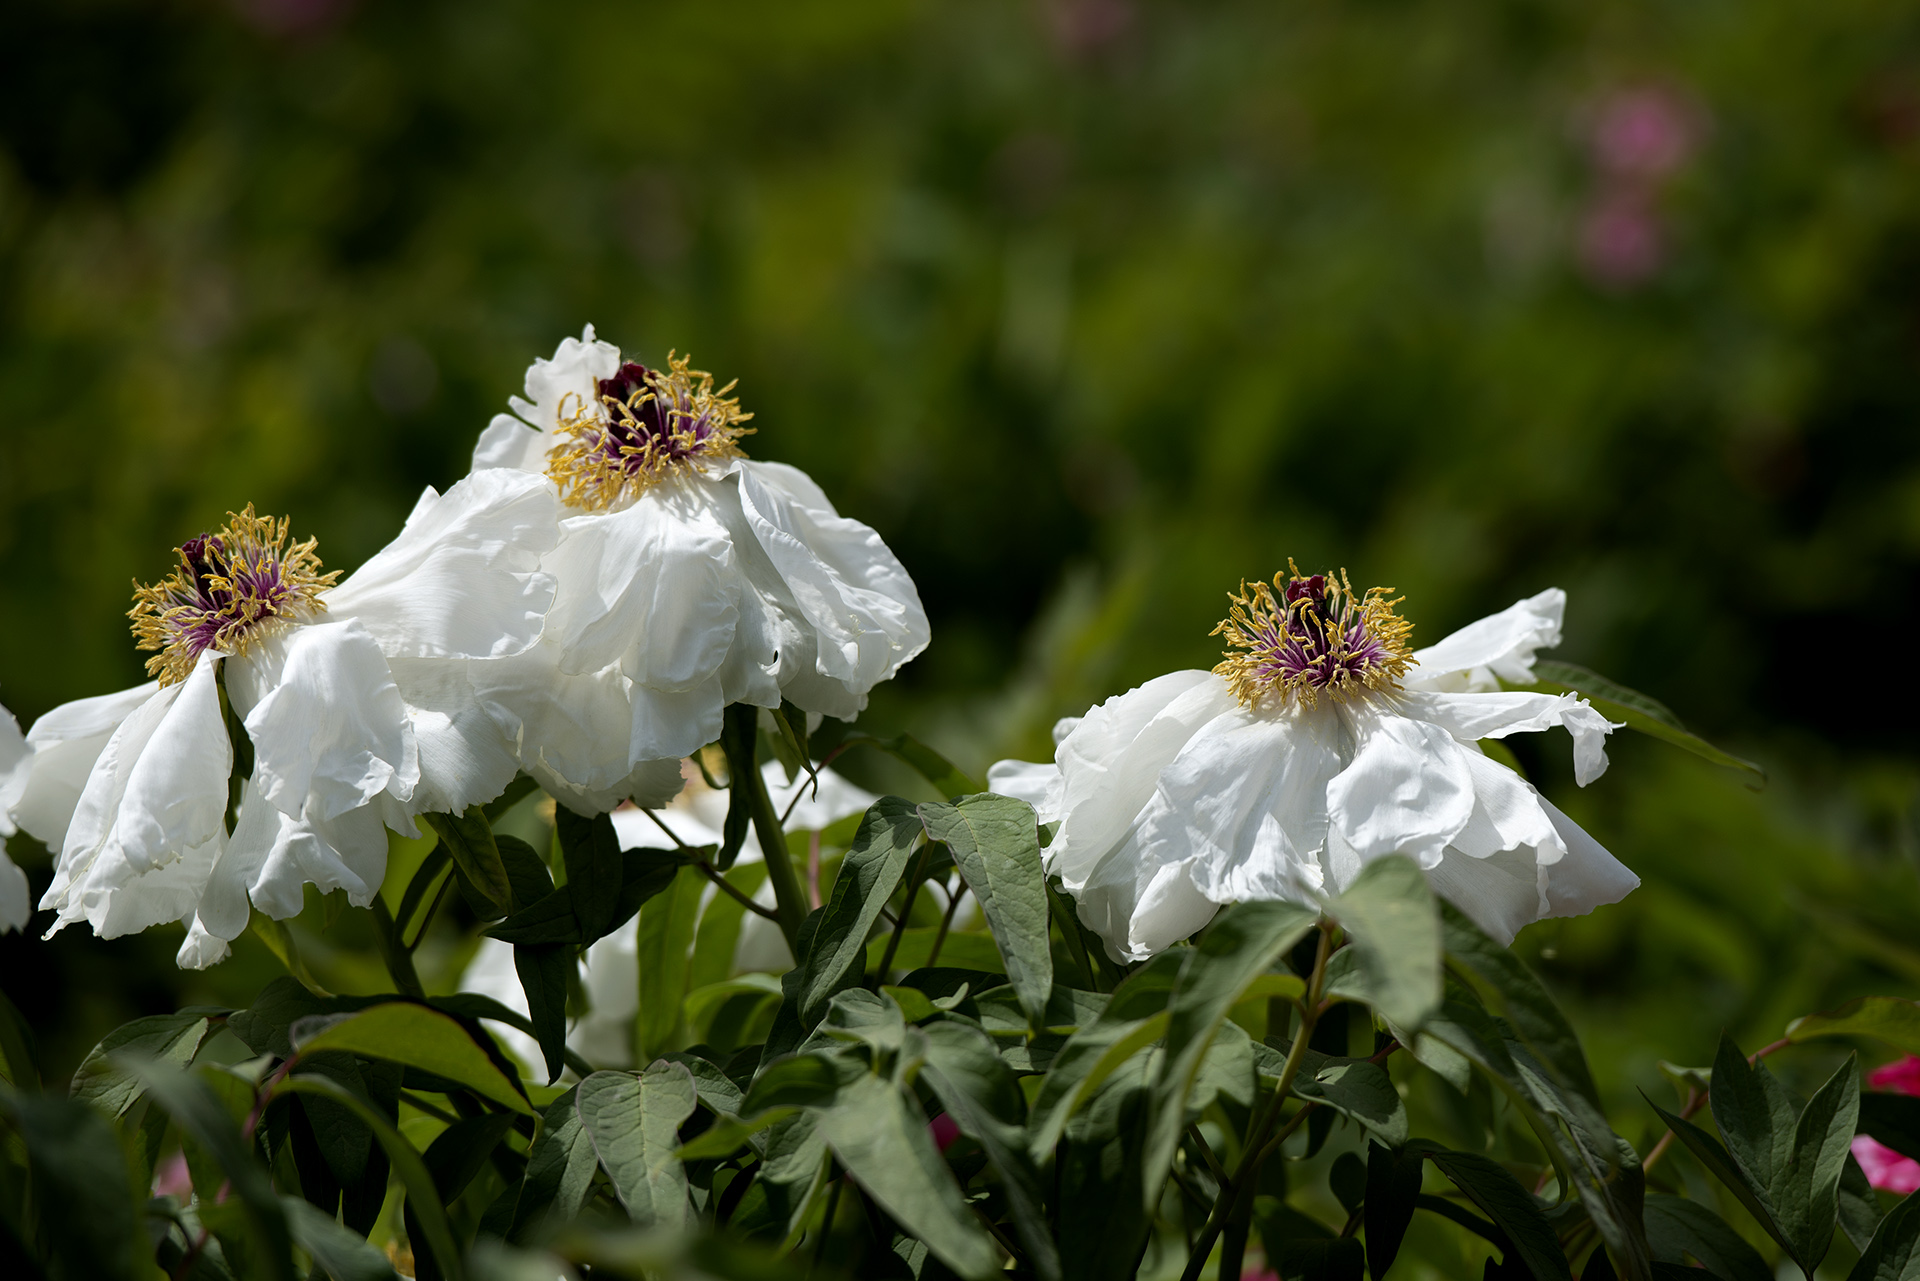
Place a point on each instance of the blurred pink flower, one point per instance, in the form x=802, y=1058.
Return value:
x=171, y=1178
x=945, y=1130
x=1902, y=1076
x=1621, y=240
x=1646, y=131
x=1886, y=1169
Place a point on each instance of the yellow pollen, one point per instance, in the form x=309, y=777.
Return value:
x=1309, y=636
x=613, y=449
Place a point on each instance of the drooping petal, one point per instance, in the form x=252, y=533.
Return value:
x=1588, y=876
x=1472, y=716
x=463, y=578
x=1498, y=647
x=1407, y=790
x=64, y=745
x=466, y=741
x=347, y=852
x=175, y=795
x=329, y=727
x=224, y=909
x=1039, y=784
x=1138, y=907
x=13, y=769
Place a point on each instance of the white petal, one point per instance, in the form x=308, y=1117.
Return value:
x=463, y=578
x=508, y=442
x=467, y=744
x=1110, y=763
x=65, y=743
x=1588, y=877
x=1501, y=645
x=1245, y=805
x=1139, y=909
x=94, y=814
x=1408, y=789
x=649, y=785
x=561, y=385
x=345, y=853
x=224, y=910
x=175, y=796
x=1589, y=729
x=1039, y=785
x=16, y=897
x=200, y=949
x=652, y=588
x=329, y=728
x=852, y=592
x=1496, y=715
x=1500, y=893
x=1507, y=814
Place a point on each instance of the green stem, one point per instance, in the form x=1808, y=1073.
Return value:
x=915, y=875
x=946, y=923
x=399, y=960
x=739, y=741
x=1240, y=1187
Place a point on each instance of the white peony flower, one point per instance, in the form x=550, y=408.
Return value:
x=16, y=900
x=690, y=577
x=610, y=966
x=1320, y=743
x=354, y=702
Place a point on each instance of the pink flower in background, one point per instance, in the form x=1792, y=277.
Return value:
x=1887, y=1169
x=1622, y=243
x=945, y=1130
x=1646, y=131
x=170, y=1177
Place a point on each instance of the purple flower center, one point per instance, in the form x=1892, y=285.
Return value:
x=1313, y=636
x=650, y=420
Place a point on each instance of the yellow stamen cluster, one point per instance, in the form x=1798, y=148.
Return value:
x=612, y=449
x=1312, y=636
x=231, y=588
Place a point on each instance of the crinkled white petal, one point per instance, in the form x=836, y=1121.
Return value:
x=509, y=443
x=556, y=387
x=1498, y=647
x=174, y=796
x=329, y=728
x=14, y=754
x=1474, y=716
x=463, y=578
x=1588, y=876
x=1039, y=784
x=467, y=743
x=1407, y=790
x=63, y=746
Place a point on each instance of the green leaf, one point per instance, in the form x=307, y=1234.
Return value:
x=884, y=1144
x=423, y=1198
x=1678, y=1228
x=468, y=838
x=1639, y=712
x=1887, y=1018
x=1243, y=942
x=1894, y=1254
x=1393, y=1189
x=161, y=1038
x=871, y=871
x=343, y=1253
x=343, y=1142
x=1529, y=1008
x=543, y=969
x=1355, y=1088
x=980, y=1094
x=548, y=921
x=1511, y=1207
x=516, y=791
x=1389, y=911
x=560, y=1169
x=457, y=1152
x=1793, y=1163
x=595, y=868
x=718, y=938
x=265, y=1025
x=664, y=947
x=996, y=846
x=634, y=1121
x=935, y=768
x=1718, y=1162
x=1859, y=1207
x=424, y=1038
x=527, y=873
x=200, y=1114
x=84, y=1190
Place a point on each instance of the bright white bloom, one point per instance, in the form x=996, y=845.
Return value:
x=16, y=901
x=611, y=974
x=690, y=577
x=1319, y=744
x=354, y=700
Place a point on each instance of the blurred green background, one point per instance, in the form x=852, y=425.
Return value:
x=1092, y=308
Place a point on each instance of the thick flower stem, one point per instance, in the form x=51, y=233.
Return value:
x=739, y=740
x=1240, y=1187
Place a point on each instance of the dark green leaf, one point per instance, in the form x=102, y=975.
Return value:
x=1242, y=943
x=457, y=1152
x=343, y=1142
x=527, y=873
x=518, y=790
x=1892, y=1119
x=543, y=970
x=1530, y=1010
x=1894, y=1254
x=595, y=868
x=1511, y=1207
x=935, y=768
x=1393, y=1184
x=1708, y=1151
x=1859, y=1207
x=423, y=1199
x=1888, y=1018
x=1618, y=703
x=560, y=1170
x=871, y=871
x=634, y=1121
x=343, y=1253
x=161, y=1038
x=548, y=921
x=996, y=846
x=1389, y=911
x=883, y=1142
x=1678, y=1228
x=424, y=1038
x=85, y=1192
x=1352, y=1087
x=468, y=838
x=264, y=1025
